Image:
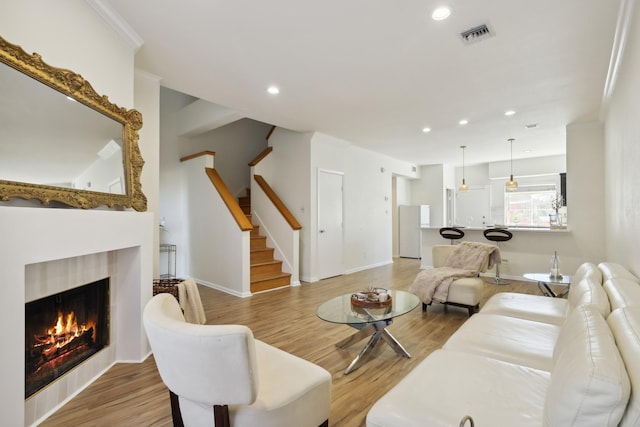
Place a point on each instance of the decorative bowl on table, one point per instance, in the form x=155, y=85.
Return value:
x=371, y=299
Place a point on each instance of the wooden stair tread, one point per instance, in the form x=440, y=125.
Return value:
x=266, y=272
x=266, y=262
x=267, y=276
x=260, y=241
x=260, y=249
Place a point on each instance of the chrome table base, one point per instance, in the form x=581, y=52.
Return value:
x=377, y=331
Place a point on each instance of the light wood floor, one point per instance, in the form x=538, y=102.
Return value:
x=133, y=394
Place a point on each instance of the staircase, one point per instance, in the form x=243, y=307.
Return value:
x=266, y=272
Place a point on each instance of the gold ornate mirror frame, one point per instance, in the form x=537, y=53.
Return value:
x=76, y=87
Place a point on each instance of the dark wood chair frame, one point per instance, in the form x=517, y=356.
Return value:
x=220, y=414
x=473, y=309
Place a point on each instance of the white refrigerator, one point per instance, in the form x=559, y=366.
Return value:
x=410, y=220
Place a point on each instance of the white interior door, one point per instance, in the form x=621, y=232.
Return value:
x=330, y=219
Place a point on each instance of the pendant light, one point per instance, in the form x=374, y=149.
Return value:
x=511, y=185
x=463, y=187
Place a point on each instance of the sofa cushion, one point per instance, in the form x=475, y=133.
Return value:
x=520, y=341
x=587, y=269
x=622, y=292
x=448, y=385
x=525, y=306
x=612, y=270
x=574, y=322
x=625, y=325
x=585, y=289
x=589, y=386
x=589, y=291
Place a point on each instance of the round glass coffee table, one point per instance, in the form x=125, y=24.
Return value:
x=545, y=280
x=369, y=322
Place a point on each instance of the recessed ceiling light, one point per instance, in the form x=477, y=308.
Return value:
x=441, y=13
x=463, y=122
x=509, y=113
x=426, y=130
x=273, y=90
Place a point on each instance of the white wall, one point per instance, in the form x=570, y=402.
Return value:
x=147, y=102
x=290, y=178
x=622, y=157
x=368, y=203
x=71, y=35
x=430, y=190
x=235, y=145
x=367, y=199
x=171, y=194
x=586, y=189
x=218, y=250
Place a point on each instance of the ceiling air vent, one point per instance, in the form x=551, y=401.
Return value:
x=476, y=34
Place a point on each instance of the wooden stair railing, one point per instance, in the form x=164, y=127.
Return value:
x=273, y=128
x=201, y=153
x=260, y=156
x=280, y=206
x=228, y=199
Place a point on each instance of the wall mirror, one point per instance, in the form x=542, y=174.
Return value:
x=61, y=141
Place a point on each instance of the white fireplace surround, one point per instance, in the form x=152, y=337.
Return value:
x=45, y=250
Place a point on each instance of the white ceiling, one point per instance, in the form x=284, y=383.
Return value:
x=376, y=72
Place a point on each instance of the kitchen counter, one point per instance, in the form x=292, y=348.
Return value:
x=530, y=249
x=511, y=229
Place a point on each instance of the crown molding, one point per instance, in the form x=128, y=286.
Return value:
x=117, y=22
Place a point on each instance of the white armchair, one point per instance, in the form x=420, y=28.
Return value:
x=219, y=375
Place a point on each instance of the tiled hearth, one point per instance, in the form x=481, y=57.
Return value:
x=45, y=251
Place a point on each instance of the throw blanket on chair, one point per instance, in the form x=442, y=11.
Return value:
x=190, y=302
x=468, y=259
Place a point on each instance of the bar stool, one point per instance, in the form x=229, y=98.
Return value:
x=498, y=235
x=451, y=233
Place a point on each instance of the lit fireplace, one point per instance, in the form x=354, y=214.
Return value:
x=62, y=330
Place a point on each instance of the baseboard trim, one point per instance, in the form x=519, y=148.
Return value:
x=222, y=288
x=367, y=267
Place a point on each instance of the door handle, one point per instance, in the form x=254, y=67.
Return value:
x=321, y=231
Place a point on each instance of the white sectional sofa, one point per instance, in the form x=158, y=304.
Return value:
x=527, y=360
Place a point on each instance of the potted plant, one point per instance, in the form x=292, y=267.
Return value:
x=557, y=202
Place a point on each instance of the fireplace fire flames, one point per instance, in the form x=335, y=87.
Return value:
x=62, y=331
x=64, y=337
